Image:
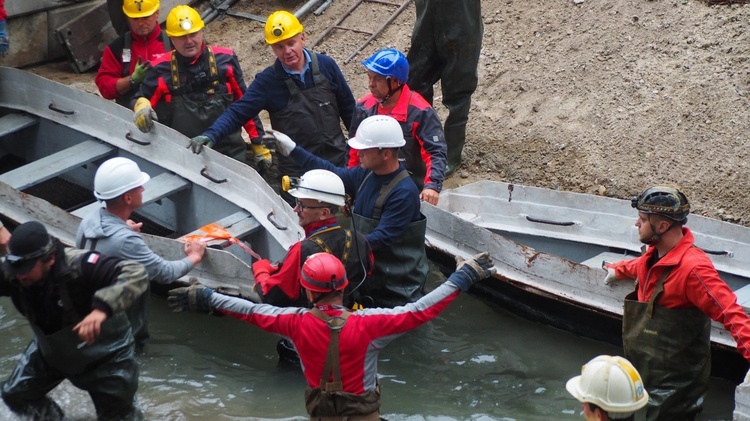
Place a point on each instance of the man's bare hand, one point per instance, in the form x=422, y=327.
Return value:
x=195, y=250
x=90, y=326
x=135, y=226
x=430, y=196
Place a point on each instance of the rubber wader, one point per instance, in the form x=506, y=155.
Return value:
x=329, y=402
x=192, y=117
x=312, y=119
x=446, y=47
x=671, y=350
x=400, y=272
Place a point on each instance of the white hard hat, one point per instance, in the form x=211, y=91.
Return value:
x=117, y=176
x=611, y=383
x=321, y=185
x=378, y=131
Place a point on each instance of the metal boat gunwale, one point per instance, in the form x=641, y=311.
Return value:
x=471, y=219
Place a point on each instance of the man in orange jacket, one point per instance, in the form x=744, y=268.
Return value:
x=667, y=319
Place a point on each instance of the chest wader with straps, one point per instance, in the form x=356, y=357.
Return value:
x=62, y=349
x=312, y=119
x=332, y=242
x=127, y=58
x=106, y=368
x=671, y=349
x=196, y=106
x=401, y=270
x=138, y=312
x=329, y=402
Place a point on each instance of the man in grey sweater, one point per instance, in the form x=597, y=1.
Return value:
x=119, y=183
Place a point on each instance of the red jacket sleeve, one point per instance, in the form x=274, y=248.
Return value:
x=110, y=71
x=286, y=278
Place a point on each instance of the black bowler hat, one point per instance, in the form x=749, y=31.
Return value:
x=28, y=243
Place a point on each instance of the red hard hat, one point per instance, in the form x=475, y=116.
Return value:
x=323, y=272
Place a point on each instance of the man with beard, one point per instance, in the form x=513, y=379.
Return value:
x=667, y=319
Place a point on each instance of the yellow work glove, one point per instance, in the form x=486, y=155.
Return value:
x=144, y=115
x=261, y=158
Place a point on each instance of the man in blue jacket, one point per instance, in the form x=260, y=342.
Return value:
x=305, y=94
x=386, y=209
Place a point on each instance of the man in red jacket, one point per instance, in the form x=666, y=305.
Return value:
x=125, y=60
x=338, y=348
x=424, y=154
x=667, y=319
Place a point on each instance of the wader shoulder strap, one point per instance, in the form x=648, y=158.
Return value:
x=332, y=367
x=85, y=244
x=165, y=40
x=62, y=288
x=128, y=39
x=658, y=291
x=212, y=69
x=323, y=246
x=384, y=191
x=318, y=78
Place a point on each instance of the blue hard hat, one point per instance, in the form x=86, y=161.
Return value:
x=389, y=62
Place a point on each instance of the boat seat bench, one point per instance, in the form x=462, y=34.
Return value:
x=157, y=188
x=58, y=163
x=14, y=122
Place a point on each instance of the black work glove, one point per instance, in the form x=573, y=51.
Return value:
x=473, y=270
x=195, y=298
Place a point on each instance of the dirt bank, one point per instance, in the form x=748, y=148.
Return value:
x=604, y=96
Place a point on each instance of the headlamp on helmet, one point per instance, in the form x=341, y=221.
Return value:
x=663, y=200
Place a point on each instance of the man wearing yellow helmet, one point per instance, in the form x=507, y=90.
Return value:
x=305, y=94
x=192, y=86
x=125, y=60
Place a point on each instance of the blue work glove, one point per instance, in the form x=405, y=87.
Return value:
x=473, y=270
x=196, y=143
x=4, y=40
x=195, y=298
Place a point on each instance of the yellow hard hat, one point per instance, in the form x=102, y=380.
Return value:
x=282, y=25
x=183, y=20
x=140, y=8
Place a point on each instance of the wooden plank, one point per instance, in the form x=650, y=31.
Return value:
x=58, y=163
x=12, y=123
x=157, y=188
